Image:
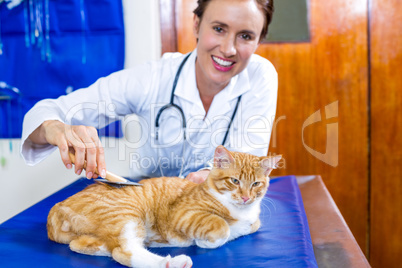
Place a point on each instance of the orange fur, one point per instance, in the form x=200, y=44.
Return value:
x=103, y=220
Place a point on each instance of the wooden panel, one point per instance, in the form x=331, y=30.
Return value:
x=333, y=67
x=185, y=37
x=386, y=134
x=168, y=25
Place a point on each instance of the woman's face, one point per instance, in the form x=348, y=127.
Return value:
x=228, y=34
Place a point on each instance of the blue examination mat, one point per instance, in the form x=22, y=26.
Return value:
x=282, y=241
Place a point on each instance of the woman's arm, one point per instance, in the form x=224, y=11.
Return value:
x=70, y=122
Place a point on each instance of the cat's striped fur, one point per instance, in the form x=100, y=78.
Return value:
x=121, y=222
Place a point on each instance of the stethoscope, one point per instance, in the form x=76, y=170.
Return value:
x=172, y=105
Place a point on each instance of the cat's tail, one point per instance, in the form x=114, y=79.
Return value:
x=60, y=223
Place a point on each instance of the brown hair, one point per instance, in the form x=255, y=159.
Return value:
x=266, y=6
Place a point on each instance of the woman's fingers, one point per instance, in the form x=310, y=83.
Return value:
x=55, y=134
x=64, y=153
x=78, y=146
x=101, y=159
x=83, y=141
x=85, y=150
x=90, y=150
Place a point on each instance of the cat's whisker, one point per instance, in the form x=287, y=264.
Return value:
x=267, y=208
x=270, y=201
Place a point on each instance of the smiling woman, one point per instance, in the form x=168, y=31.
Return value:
x=224, y=91
x=228, y=33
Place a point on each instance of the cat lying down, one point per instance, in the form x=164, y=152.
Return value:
x=165, y=212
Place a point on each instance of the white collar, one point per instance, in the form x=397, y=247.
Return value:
x=187, y=85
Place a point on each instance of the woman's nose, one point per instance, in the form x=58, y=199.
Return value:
x=228, y=47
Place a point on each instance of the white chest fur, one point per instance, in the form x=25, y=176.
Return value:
x=245, y=216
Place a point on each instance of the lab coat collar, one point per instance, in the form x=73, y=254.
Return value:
x=241, y=84
x=187, y=86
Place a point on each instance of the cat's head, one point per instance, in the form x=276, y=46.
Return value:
x=240, y=177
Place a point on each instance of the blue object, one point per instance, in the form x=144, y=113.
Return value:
x=50, y=46
x=282, y=241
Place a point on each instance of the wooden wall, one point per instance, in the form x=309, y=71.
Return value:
x=386, y=133
x=348, y=73
x=333, y=67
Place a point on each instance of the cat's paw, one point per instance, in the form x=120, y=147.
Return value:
x=181, y=261
x=207, y=244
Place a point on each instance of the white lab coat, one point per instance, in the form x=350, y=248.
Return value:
x=142, y=90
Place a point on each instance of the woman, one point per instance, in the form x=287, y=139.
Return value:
x=220, y=80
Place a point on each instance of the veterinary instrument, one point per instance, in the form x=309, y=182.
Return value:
x=110, y=178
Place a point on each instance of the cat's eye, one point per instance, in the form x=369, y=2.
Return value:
x=256, y=184
x=235, y=181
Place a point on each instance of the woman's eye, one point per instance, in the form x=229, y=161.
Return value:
x=235, y=181
x=245, y=36
x=256, y=184
x=218, y=29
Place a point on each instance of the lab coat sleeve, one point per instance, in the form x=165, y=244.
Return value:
x=100, y=104
x=258, y=108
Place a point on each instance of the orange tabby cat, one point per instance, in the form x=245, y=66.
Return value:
x=120, y=222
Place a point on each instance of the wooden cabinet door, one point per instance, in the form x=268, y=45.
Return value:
x=386, y=133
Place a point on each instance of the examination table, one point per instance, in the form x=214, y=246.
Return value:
x=282, y=241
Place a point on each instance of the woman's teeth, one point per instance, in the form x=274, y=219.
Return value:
x=221, y=62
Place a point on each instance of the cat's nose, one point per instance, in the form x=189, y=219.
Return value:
x=245, y=198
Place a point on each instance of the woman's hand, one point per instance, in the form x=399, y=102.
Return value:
x=199, y=176
x=83, y=140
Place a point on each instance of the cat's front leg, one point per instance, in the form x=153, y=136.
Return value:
x=210, y=244
x=212, y=233
x=255, y=226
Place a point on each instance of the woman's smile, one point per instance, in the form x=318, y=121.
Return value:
x=221, y=64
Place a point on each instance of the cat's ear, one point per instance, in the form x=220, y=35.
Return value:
x=267, y=164
x=222, y=157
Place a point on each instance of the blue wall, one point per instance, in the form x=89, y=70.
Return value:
x=85, y=41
